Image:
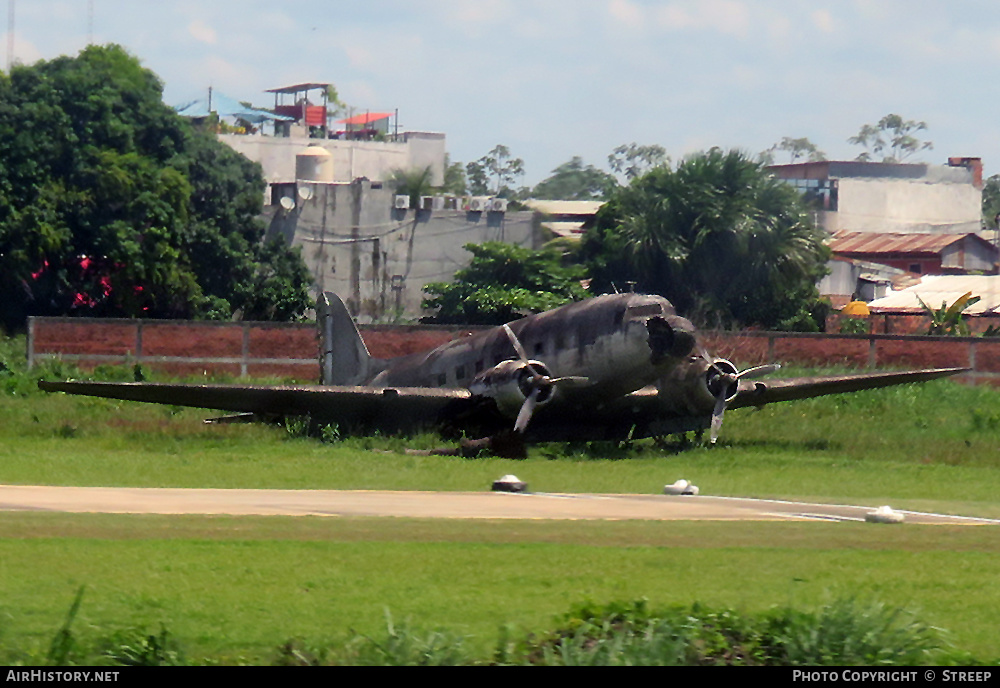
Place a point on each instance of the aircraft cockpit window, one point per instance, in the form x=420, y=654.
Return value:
x=643, y=310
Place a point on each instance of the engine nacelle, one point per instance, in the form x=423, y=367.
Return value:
x=714, y=379
x=509, y=383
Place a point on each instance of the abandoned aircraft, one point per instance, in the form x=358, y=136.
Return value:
x=609, y=368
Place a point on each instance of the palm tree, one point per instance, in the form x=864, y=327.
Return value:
x=413, y=183
x=718, y=236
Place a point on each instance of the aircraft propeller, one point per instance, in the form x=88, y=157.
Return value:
x=725, y=380
x=535, y=382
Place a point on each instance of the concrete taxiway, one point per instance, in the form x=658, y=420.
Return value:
x=468, y=505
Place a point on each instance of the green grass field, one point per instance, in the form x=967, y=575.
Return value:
x=234, y=589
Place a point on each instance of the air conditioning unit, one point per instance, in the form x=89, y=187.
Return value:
x=498, y=205
x=402, y=202
x=477, y=204
x=426, y=202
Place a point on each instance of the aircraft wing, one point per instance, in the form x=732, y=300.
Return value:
x=766, y=391
x=365, y=408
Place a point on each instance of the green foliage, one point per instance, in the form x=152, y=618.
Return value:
x=404, y=646
x=112, y=205
x=502, y=283
x=854, y=326
x=413, y=183
x=948, y=320
x=632, y=160
x=574, y=181
x=891, y=139
x=795, y=148
x=720, y=237
x=991, y=201
x=136, y=647
x=851, y=632
x=498, y=165
x=845, y=632
x=454, y=177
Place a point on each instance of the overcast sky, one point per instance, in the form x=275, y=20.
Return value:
x=556, y=78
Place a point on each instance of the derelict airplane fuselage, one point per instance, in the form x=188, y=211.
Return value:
x=610, y=367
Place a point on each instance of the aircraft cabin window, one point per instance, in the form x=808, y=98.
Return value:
x=460, y=372
x=540, y=349
x=442, y=380
x=479, y=366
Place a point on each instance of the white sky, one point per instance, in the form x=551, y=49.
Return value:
x=556, y=78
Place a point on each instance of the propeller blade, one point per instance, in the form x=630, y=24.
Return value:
x=570, y=381
x=517, y=345
x=751, y=373
x=728, y=379
x=717, y=413
x=528, y=408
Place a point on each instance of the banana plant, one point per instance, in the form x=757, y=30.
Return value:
x=948, y=320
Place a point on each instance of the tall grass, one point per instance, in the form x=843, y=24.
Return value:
x=844, y=632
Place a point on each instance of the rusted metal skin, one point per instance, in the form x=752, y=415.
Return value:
x=621, y=342
x=609, y=368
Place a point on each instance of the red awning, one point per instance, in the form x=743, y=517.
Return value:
x=366, y=118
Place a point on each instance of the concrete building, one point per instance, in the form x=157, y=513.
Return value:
x=375, y=255
x=888, y=197
x=376, y=160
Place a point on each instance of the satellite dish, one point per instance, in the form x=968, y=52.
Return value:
x=305, y=192
x=288, y=203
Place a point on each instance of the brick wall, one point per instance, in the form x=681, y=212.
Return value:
x=291, y=350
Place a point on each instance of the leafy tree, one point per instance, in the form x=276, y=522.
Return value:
x=632, y=160
x=498, y=165
x=795, y=148
x=892, y=138
x=991, y=201
x=574, y=181
x=719, y=236
x=113, y=205
x=454, y=177
x=502, y=283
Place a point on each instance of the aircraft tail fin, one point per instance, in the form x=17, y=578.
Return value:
x=344, y=358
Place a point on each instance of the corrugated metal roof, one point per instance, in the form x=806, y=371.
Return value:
x=564, y=207
x=879, y=242
x=935, y=289
x=565, y=229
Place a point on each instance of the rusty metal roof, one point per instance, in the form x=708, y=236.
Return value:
x=938, y=289
x=844, y=242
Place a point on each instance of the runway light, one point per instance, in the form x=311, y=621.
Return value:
x=884, y=514
x=510, y=483
x=681, y=487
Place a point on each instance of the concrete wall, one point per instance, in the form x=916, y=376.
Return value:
x=375, y=160
x=905, y=205
x=378, y=258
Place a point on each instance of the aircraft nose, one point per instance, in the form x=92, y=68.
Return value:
x=684, y=336
x=672, y=336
